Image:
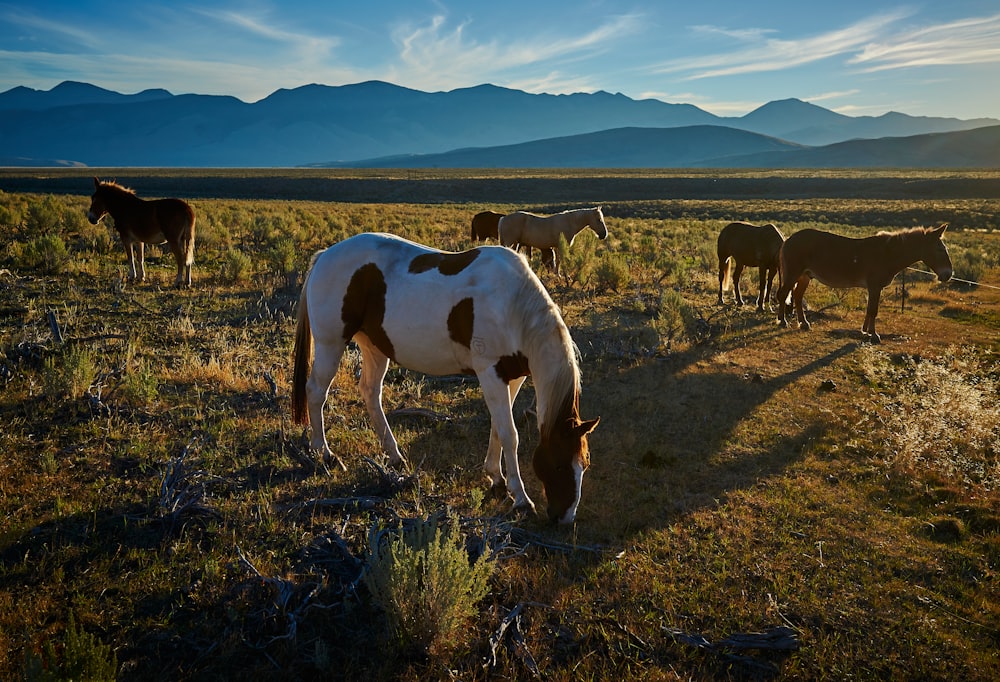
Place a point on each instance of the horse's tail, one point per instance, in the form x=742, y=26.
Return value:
x=188, y=244
x=474, y=235
x=303, y=359
x=727, y=272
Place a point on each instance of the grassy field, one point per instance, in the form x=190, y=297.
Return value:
x=162, y=518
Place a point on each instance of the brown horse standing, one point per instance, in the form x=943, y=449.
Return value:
x=139, y=222
x=744, y=244
x=869, y=263
x=484, y=226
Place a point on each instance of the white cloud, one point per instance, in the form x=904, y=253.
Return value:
x=774, y=54
x=967, y=41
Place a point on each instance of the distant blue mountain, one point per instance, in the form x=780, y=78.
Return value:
x=78, y=123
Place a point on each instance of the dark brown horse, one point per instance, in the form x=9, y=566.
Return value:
x=869, y=263
x=743, y=244
x=484, y=226
x=141, y=222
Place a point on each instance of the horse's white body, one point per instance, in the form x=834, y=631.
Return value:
x=480, y=312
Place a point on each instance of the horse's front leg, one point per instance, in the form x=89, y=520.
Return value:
x=142, y=262
x=868, y=328
x=374, y=365
x=499, y=396
x=129, y=247
x=498, y=484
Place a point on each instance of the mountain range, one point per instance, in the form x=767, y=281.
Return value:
x=379, y=124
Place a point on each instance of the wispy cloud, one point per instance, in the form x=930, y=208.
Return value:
x=775, y=54
x=36, y=23
x=438, y=54
x=968, y=41
x=311, y=48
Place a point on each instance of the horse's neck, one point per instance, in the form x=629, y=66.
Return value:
x=121, y=201
x=554, y=377
x=903, y=257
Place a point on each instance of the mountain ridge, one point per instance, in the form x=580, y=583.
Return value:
x=317, y=125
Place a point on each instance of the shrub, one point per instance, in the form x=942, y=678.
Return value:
x=69, y=373
x=677, y=321
x=612, y=273
x=424, y=582
x=47, y=254
x=84, y=657
x=236, y=267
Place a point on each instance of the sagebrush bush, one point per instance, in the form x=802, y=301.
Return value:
x=427, y=587
x=82, y=656
x=236, y=267
x=47, y=254
x=612, y=273
x=69, y=373
x=941, y=417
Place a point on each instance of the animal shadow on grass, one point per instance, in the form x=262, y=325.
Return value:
x=676, y=440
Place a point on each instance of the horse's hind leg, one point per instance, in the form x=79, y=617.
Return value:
x=869, y=325
x=723, y=268
x=324, y=368
x=374, y=365
x=762, y=290
x=737, y=273
x=798, y=291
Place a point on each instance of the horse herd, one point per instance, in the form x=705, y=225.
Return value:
x=484, y=312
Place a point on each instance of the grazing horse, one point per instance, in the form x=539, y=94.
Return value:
x=484, y=225
x=481, y=312
x=869, y=263
x=543, y=232
x=139, y=222
x=742, y=244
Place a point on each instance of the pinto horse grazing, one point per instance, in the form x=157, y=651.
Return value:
x=742, y=244
x=481, y=312
x=543, y=232
x=869, y=263
x=139, y=222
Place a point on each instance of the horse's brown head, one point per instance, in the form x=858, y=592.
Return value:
x=937, y=258
x=560, y=460
x=98, y=208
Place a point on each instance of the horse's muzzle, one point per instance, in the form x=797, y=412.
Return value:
x=944, y=276
x=94, y=219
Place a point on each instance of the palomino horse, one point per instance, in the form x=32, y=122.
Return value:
x=140, y=222
x=869, y=263
x=543, y=232
x=481, y=312
x=742, y=244
x=484, y=226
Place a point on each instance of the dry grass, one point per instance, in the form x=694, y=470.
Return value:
x=744, y=477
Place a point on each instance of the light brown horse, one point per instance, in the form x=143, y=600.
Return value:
x=141, y=222
x=742, y=244
x=869, y=263
x=543, y=232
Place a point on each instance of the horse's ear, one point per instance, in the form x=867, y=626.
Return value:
x=939, y=231
x=97, y=183
x=585, y=427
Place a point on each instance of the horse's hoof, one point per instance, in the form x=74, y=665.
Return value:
x=333, y=459
x=524, y=509
x=498, y=491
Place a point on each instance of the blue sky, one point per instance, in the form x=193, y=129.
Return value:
x=929, y=58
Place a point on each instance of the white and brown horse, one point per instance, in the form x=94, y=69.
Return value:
x=481, y=312
x=869, y=263
x=543, y=232
x=141, y=222
x=742, y=244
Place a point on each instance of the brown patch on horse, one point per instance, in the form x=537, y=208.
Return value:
x=510, y=367
x=460, y=321
x=364, y=308
x=446, y=263
x=562, y=442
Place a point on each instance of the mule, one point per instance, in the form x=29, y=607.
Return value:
x=742, y=244
x=140, y=222
x=543, y=232
x=481, y=312
x=869, y=263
